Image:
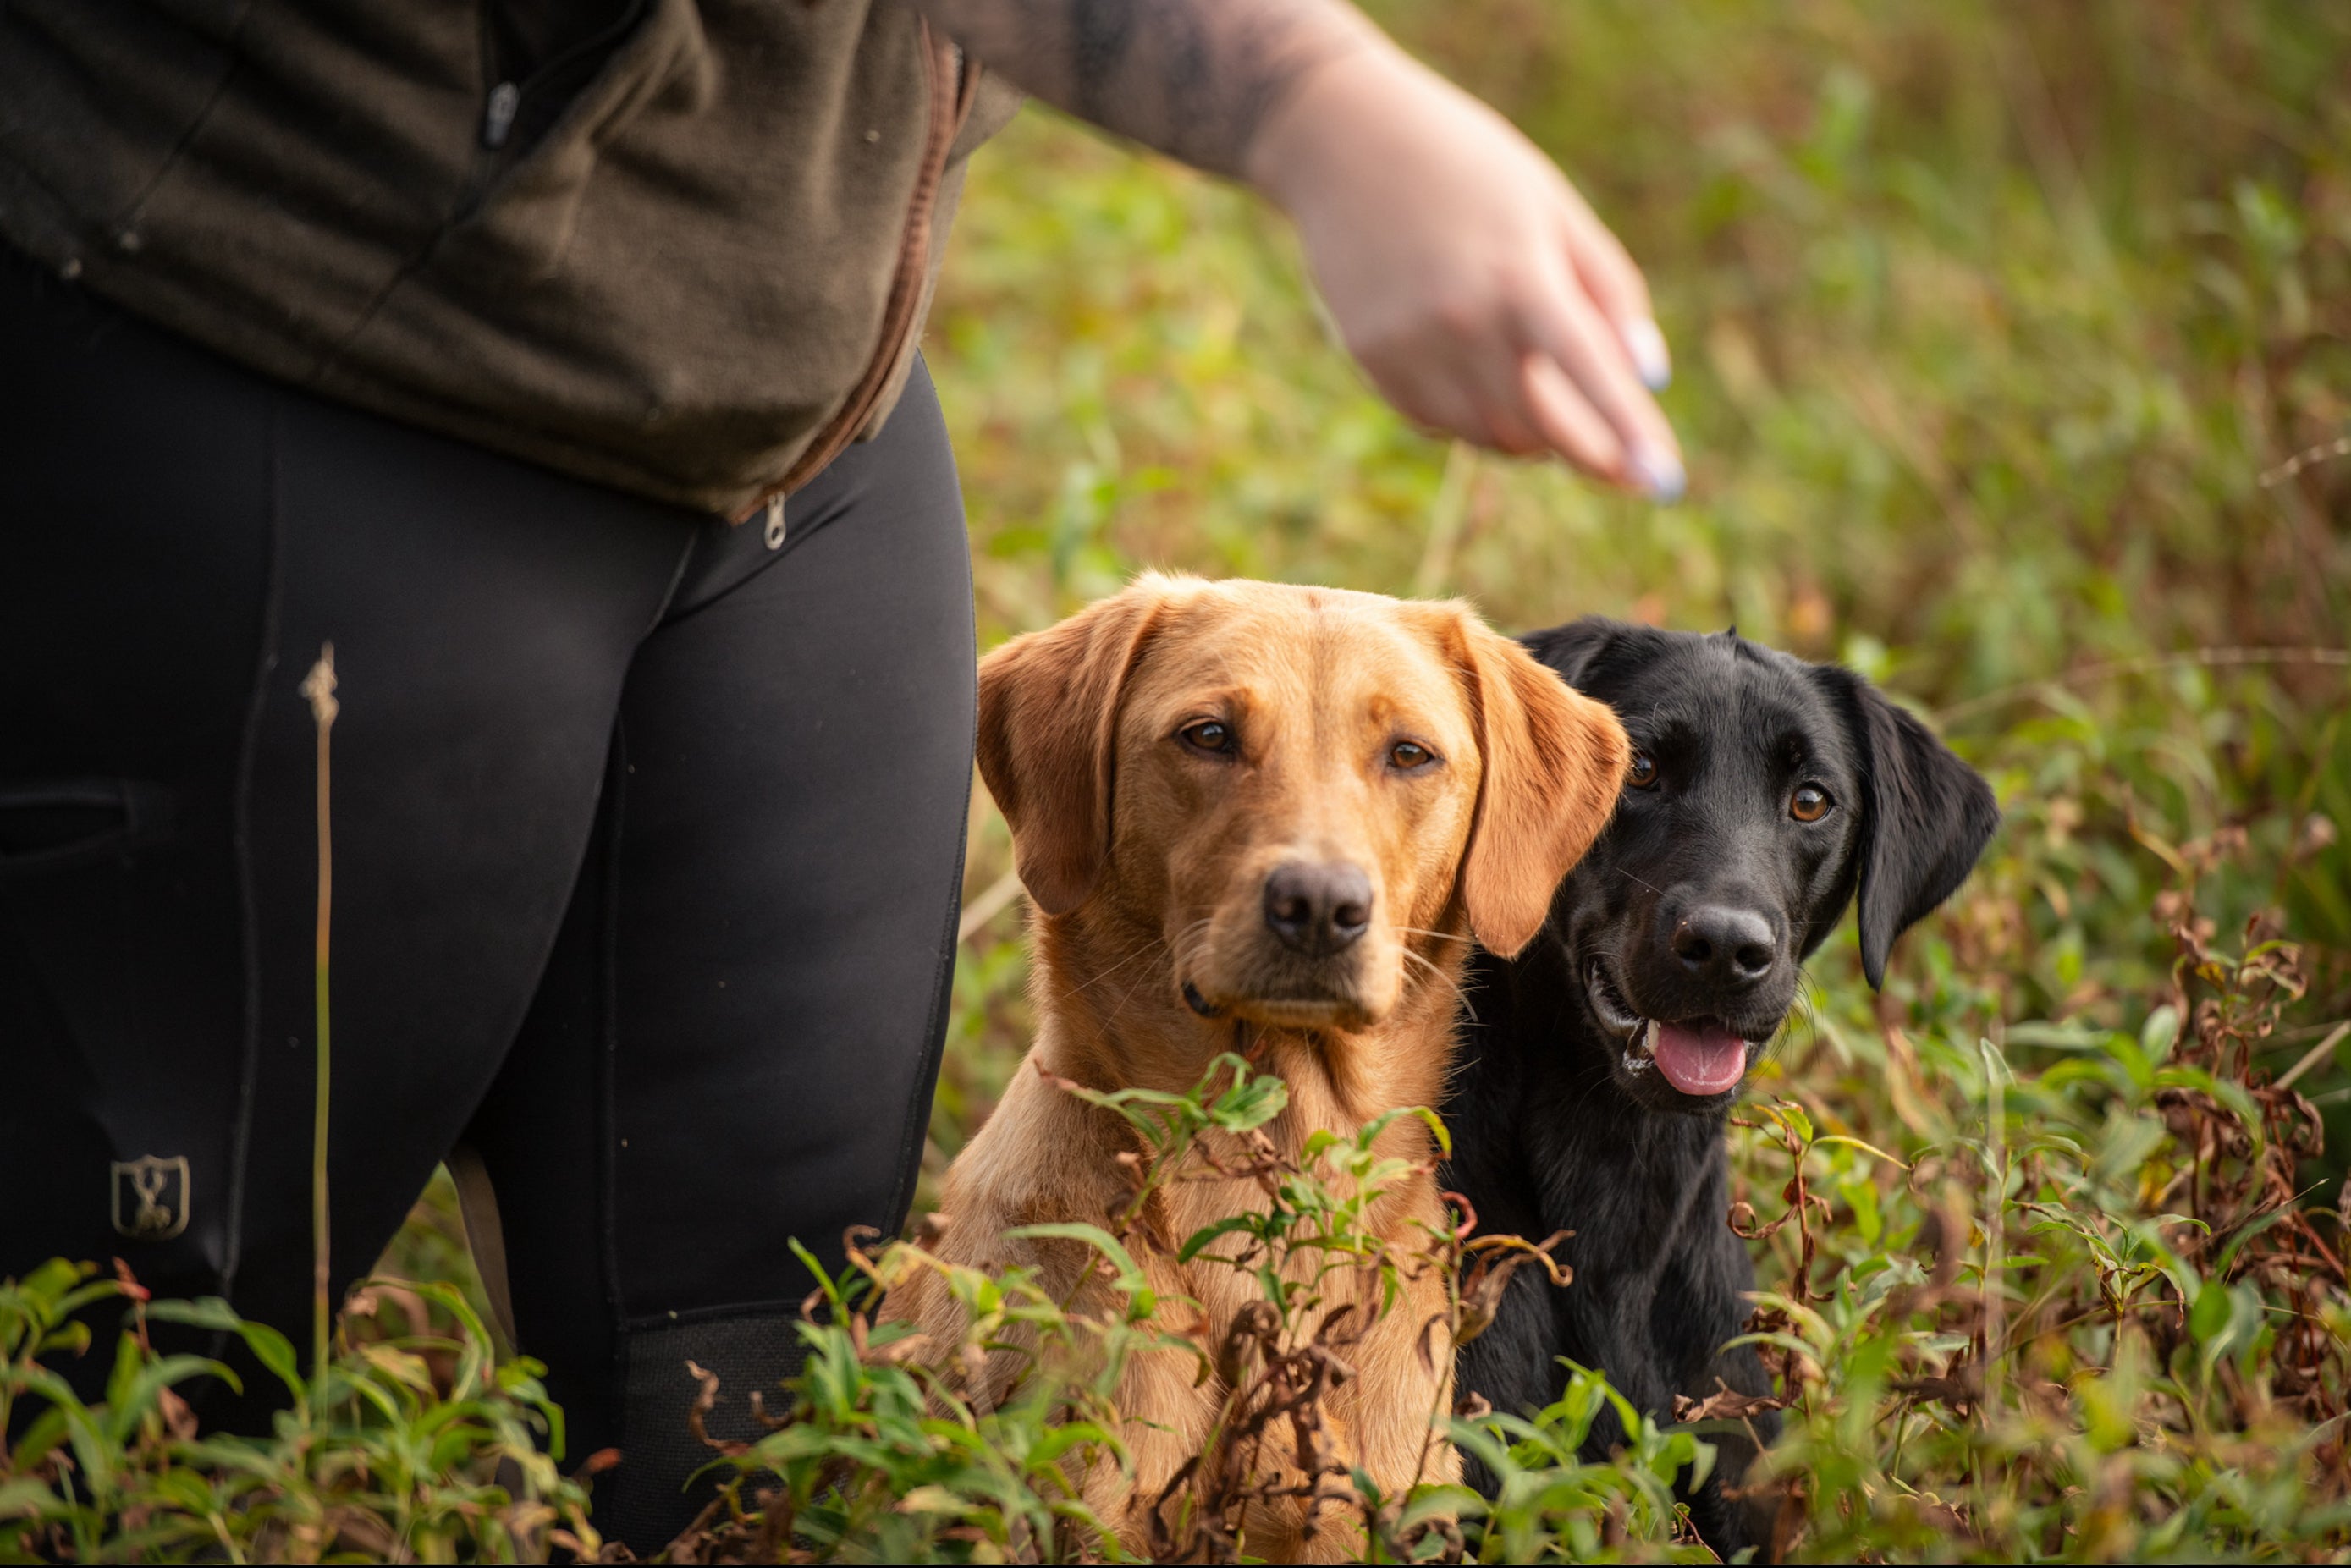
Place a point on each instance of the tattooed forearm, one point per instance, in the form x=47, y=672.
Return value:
x=1194, y=78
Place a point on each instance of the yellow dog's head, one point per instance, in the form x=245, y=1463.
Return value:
x=1281, y=796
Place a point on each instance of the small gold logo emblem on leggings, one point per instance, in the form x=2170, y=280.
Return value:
x=151, y=1196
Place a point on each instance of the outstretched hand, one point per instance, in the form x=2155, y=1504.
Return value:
x=1478, y=289
x=1474, y=284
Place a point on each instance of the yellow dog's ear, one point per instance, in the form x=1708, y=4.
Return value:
x=1555, y=764
x=1049, y=704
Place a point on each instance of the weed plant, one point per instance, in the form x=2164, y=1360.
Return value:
x=2083, y=1312
x=886, y=1454
x=2080, y=1310
x=413, y=1443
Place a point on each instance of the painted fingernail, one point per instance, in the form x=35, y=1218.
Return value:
x=1648, y=347
x=1660, y=474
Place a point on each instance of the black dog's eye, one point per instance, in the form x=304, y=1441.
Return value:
x=1642, y=774
x=1406, y=755
x=1212, y=735
x=1809, y=803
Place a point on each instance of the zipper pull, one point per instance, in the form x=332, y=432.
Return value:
x=775, y=522
x=498, y=116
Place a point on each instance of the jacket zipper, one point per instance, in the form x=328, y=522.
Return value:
x=506, y=98
x=499, y=114
x=952, y=81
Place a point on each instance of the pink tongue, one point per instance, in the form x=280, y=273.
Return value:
x=1707, y=1060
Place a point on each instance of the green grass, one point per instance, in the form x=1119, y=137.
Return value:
x=1991, y=322
x=1997, y=328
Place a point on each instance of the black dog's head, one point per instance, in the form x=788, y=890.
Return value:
x=1763, y=791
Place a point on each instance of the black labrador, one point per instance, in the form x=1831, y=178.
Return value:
x=1598, y=1067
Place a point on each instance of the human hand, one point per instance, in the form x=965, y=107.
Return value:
x=1474, y=285
x=1464, y=271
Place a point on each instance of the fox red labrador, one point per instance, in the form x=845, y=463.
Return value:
x=1271, y=818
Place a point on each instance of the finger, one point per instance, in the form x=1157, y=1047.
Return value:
x=1513, y=434
x=1569, y=424
x=1477, y=393
x=1436, y=402
x=1564, y=324
x=1614, y=280
x=1492, y=373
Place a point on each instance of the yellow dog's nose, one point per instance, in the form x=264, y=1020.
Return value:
x=1318, y=909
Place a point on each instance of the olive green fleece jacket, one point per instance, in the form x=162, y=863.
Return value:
x=688, y=255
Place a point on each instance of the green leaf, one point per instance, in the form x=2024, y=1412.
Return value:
x=42, y=1435
x=1130, y=1275
x=140, y=1392
x=2211, y=1314
x=73, y=1339
x=29, y=1499
x=1840, y=1140
x=1995, y=1064
x=1208, y=1233
x=127, y=1361
x=1251, y=1102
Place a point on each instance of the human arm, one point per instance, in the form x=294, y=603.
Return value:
x=1467, y=276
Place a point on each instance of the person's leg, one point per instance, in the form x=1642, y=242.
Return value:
x=750, y=995
x=134, y=578
x=177, y=540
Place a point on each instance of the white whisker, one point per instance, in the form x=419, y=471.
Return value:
x=1146, y=947
x=1438, y=970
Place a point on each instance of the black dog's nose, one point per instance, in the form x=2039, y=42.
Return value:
x=1726, y=946
x=1318, y=910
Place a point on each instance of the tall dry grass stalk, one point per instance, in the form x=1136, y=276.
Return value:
x=319, y=687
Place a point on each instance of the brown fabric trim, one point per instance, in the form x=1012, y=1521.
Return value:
x=952, y=82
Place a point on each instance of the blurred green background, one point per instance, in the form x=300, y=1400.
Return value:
x=1995, y=327
x=1998, y=326
x=1988, y=320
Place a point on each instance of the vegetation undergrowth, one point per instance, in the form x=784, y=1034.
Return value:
x=2084, y=1309
x=413, y=1443
x=883, y=1454
x=2079, y=1303
x=2099, y=1314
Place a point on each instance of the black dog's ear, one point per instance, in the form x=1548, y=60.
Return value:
x=1572, y=649
x=1927, y=817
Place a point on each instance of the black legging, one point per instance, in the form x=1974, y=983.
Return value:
x=648, y=837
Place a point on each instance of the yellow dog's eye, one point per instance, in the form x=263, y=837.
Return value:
x=1407, y=755
x=1642, y=774
x=1209, y=734
x=1809, y=803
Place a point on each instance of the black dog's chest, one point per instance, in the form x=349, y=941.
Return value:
x=1628, y=1182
